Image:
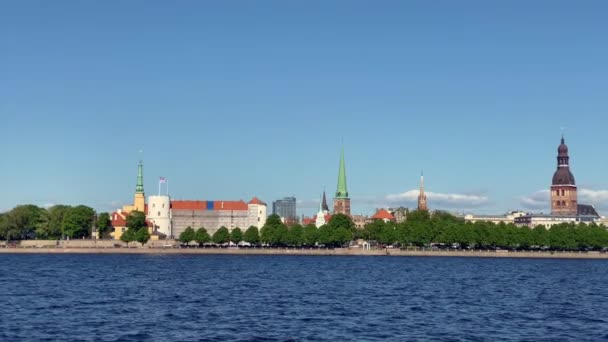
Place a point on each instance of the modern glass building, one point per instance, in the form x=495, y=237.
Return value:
x=285, y=207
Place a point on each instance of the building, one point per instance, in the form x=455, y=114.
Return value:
x=341, y=200
x=496, y=219
x=564, y=200
x=119, y=217
x=360, y=221
x=383, y=215
x=422, y=204
x=563, y=189
x=400, y=213
x=285, y=208
x=215, y=214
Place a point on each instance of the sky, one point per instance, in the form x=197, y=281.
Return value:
x=234, y=99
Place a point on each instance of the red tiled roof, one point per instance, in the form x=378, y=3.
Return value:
x=230, y=205
x=189, y=205
x=118, y=220
x=202, y=205
x=383, y=214
x=256, y=200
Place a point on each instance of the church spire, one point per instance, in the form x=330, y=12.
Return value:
x=139, y=188
x=324, y=205
x=342, y=201
x=422, y=205
x=342, y=191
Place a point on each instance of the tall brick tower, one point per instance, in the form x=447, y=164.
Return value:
x=563, y=189
x=342, y=201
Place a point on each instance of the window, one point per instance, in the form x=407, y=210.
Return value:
x=163, y=205
x=158, y=214
x=154, y=205
x=563, y=192
x=556, y=192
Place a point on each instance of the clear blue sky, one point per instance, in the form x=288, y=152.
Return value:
x=231, y=99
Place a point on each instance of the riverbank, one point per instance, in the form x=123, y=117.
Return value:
x=310, y=252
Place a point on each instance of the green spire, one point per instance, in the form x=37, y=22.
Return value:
x=139, y=188
x=342, y=191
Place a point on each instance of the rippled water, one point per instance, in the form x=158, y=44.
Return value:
x=277, y=298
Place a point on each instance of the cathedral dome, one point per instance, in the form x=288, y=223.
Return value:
x=563, y=176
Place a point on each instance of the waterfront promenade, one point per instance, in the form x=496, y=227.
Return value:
x=305, y=251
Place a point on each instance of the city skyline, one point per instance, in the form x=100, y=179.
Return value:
x=86, y=86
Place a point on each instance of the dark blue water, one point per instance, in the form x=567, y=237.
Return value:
x=277, y=298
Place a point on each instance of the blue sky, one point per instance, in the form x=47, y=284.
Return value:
x=231, y=99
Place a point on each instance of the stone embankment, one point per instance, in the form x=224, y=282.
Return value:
x=170, y=247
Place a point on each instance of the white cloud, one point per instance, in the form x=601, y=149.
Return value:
x=597, y=198
x=440, y=200
x=536, y=201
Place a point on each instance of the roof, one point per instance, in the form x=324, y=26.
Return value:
x=189, y=205
x=118, y=219
x=383, y=214
x=587, y=210
x=257, y=201
x=209, y=205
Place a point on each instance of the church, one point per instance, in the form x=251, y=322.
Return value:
x=564, y=198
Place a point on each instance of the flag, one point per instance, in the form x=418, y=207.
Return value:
x=162, y=180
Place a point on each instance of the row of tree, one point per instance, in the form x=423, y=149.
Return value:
x=60, y=221
x=421, y=230
x=338, y=232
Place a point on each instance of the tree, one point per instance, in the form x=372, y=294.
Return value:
x=52, y=228
x=142, y=236
x=136, y=220
x=187, y=235
x=221, y=236
x=280, y=235
x=311, y=235
x=128, y=236
x=22, y=222
x=201, y=236
x=78, y=222
x=252, y=235
x=268, y=233
x=236, y=236
x=103, y=224
x=295, y=237
x=342, y=221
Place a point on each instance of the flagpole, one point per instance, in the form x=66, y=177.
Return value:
x=166, y=180
x=159, y=187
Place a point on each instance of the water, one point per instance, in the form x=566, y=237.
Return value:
x=280, y=298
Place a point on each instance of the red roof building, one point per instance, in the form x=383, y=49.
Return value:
x=383, y=215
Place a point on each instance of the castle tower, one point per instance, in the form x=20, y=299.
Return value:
x=563, y=189
x=139, y=201
x=342, y=201
x=422, y=205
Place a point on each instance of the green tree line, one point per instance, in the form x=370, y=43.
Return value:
x=60, y=221
x=420, y=230
x=338, y=232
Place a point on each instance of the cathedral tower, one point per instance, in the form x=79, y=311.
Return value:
x=422, y=205
x=563, y=189
x=342, y=201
